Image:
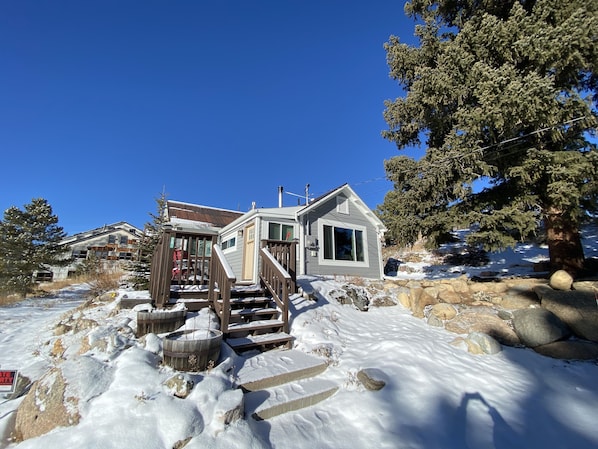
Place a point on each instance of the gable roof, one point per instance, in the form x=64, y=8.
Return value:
x=210, y=216
x=352, y=196
x=121, y=226
x=294, y=212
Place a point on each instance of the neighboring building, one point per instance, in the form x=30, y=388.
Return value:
x=113, y=244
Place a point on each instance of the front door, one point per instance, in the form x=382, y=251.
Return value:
x=248, y=252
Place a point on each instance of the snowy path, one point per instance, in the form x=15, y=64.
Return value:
x=27, y=325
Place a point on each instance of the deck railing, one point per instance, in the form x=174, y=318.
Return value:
x=278, y=282
x=285, y=253
x=181, y=260
x=222, y=280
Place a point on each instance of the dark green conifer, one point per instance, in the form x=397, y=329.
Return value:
x=503, y=97
x=29, y=242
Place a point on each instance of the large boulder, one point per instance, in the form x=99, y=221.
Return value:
x=61, y=396
x=45, y=407
x=514, y=302
x=536, y=327
x=444, y=311
x=478, y=343
x=485, y=322
x=570, y=350
x=450, y=296
x=421, y=298
x=561, y=280
x=352, y=295
x=588, y=286
x=578, y=309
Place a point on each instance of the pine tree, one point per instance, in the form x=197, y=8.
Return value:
x=146, y=246
x=503, y=95
x=29, y=242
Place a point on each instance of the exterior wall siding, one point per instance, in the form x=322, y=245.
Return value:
x=328, y=211
x=235, y=256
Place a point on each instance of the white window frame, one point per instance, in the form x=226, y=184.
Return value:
x=229, y=237
x=281, y=224
x=342, y=263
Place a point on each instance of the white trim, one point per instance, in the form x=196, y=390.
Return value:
x=301, y=249
x=354, y=198
x=291, y=224
x=342, y=263
x=232, y=248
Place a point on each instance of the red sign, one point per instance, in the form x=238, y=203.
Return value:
x=8, y=380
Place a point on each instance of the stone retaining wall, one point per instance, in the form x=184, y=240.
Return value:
x=519, y=312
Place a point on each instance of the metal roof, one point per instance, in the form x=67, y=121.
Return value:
x=204, y=214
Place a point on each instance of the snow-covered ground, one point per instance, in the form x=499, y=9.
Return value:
x=436, y=395
x=518, y=261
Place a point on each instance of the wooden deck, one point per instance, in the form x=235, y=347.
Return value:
x=190, y=268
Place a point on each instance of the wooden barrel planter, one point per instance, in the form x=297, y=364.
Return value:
x=192, y=350
x=159, y=322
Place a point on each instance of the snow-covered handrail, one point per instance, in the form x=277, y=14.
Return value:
x=221, y=275
x=278, y=281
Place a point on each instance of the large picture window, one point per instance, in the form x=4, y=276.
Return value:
x=342, y=244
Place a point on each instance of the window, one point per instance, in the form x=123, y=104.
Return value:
x=102, y=254
x=279, y=231
x=342, y=245
x=80, y=253
x=229, y=243
x=124, y=240
x=111, y=239
x=44, y=276
x=125, y=256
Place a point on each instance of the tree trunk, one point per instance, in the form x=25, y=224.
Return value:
x=564, y=244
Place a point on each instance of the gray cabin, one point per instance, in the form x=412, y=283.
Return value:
x=336, y=234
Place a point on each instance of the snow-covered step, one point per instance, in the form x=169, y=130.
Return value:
x=270, y=402
x=254, y=325
x=252, y=312
x=248, y=301
x=273, y=368
x=194, y=305
x=253, y=341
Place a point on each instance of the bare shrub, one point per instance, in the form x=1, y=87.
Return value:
x=9, y=299
x=104, y=281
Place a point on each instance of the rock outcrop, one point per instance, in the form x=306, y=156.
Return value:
x=536, y=313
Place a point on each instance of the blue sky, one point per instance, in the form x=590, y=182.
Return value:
x=105, y=104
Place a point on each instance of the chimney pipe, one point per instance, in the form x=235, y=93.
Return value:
x=280, y=190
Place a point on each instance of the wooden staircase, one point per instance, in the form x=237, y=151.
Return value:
x=251, y=317
x=189, y=267
x=254, y=320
